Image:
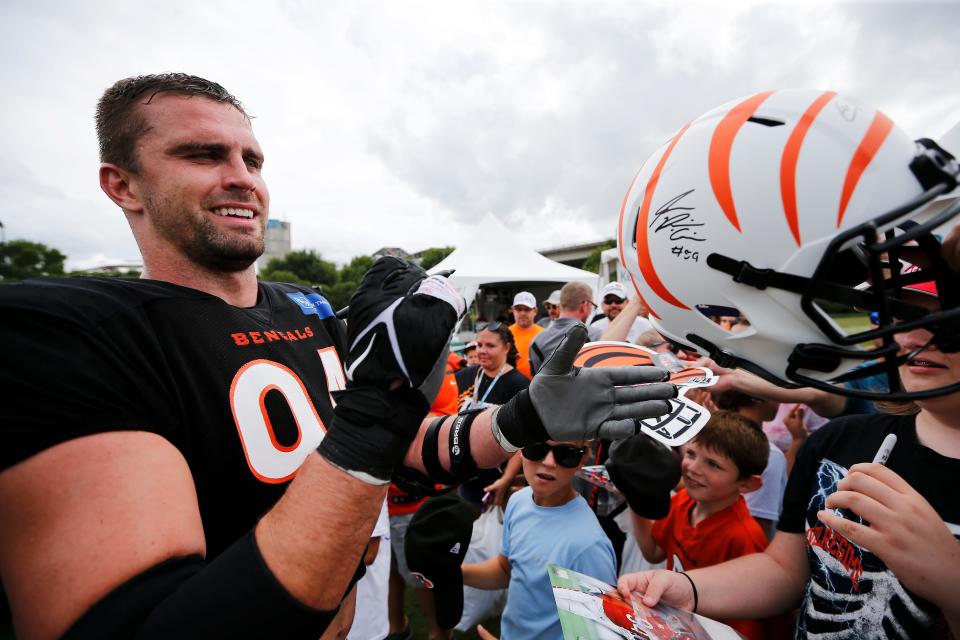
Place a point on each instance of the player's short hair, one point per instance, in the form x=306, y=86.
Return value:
x=738, y=438
x=120, y=123
x=573, y=294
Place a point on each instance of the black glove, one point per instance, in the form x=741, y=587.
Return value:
x=398, y=334
x=565, y=402
x=645, y=472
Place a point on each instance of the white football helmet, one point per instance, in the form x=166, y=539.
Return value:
x=784, y=207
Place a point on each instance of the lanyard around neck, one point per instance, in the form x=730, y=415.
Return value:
x=476, y=384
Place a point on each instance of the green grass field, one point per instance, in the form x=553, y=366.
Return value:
x=853, y=323
x=418, y=622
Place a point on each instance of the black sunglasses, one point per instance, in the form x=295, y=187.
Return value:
x=490, y=326
x=566, y=455
x=613, y=300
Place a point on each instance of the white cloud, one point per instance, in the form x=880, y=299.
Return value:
x=390, y=123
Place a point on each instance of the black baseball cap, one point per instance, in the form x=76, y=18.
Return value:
x=437, y=540
x=645, y=472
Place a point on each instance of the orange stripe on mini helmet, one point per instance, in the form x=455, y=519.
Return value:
x=788, y=162
x=643, y=246
x=872, y=139
x=721, y=145
x=611, y=354
x=596, y=355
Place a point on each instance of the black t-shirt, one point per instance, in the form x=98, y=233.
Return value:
x=507, y=385
x=852, y=594
x=242, y=393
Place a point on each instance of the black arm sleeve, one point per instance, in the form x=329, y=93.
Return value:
x=235, y=596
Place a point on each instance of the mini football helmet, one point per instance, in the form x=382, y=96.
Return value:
x=793, y=209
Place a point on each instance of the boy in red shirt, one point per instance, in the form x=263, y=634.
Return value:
x=709, y=521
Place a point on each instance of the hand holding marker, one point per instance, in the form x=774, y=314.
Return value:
x=881, y=457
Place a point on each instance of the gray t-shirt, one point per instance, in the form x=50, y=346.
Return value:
x=547, y=340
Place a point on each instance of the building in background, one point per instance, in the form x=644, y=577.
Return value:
x=572, y=255
x=276, y=242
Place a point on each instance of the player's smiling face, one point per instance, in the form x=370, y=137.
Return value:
x=200, y=181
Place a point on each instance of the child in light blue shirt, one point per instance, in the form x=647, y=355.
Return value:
x=547, y=522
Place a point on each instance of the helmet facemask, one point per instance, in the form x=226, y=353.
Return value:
x=891, y=249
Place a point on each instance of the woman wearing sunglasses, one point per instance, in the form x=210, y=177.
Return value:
x=546, y=522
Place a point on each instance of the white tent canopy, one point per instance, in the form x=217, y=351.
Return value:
x=491, y=254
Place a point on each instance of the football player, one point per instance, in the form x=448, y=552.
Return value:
x=199, y=454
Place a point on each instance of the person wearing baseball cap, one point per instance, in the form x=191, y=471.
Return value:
x=523, y=329
x=470, y=354
x=613, y=299
x=552, y=305
x=436, y=543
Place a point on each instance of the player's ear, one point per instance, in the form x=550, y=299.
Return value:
x=750, y=483
x=116, y=183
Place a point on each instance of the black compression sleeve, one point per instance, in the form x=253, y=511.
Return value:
x=235, y=596
x=430, y=453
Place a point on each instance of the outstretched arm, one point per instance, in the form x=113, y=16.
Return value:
x=777, y=579
x=619, y=327
x=562, y=403
x=821, y=402
x=489, y=574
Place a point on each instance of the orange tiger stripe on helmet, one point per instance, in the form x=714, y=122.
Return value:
x=623, y=260
x=611, y=354
x=623, y=354
x=868, y=148
x=788, y=162
x=721, y=146
x=643, y=246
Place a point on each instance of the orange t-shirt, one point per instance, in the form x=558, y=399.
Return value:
x=446, y=402
x=725, y=535
x=400, y=503
x=523, y=338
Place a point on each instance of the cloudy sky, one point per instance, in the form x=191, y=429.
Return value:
x=402, y=123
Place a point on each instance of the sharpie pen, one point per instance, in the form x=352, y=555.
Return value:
x=886, y=448
x=883, y=454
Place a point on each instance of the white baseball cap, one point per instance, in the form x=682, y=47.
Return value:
x=554, y=298
x=525, y=299
x=616, y=289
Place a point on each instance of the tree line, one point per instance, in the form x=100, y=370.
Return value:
x=22, y=259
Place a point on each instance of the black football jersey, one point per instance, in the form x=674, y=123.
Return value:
x=244, y=394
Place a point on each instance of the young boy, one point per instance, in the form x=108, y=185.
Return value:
x=709, y=521
x=546, y=522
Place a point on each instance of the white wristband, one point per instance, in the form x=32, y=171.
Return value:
x=498, y=436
